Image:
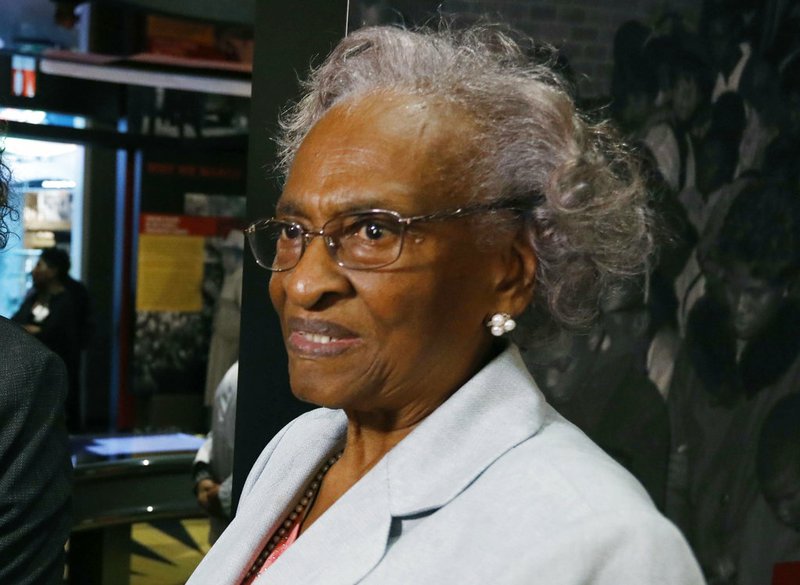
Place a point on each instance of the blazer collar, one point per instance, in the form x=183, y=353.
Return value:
x=345, y=543
x=496, y=410
x=288, y=471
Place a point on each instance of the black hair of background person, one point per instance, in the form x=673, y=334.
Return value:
x=35, y=467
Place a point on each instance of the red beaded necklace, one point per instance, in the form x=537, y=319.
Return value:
x=288, y=527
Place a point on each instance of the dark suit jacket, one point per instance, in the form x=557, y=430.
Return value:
x=35, y=468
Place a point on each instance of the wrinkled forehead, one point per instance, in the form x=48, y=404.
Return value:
x=382, y=146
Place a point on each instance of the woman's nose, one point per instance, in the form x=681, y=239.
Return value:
x=317, y=276
x=744, y=303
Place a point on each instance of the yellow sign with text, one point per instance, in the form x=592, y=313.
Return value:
x=170, y=273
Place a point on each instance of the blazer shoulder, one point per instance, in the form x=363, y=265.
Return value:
x=296, y=435
x=569, y=470
x=587, y=514
x=24, y=356
x=611, y=549
x=17, y=340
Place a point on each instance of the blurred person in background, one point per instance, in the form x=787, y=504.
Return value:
x=771, y=539
x=598, y=380
x=213, y=464
x=50, y=314
x=224, y=348
x=84, y=315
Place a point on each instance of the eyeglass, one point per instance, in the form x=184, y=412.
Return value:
x=362, y=240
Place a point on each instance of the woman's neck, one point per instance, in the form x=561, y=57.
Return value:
x=367, y=444
x=364, y=448
x=371, y=434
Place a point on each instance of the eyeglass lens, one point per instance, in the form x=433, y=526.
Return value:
x=366, y=240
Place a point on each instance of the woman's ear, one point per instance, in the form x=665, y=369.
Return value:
x=515, y=288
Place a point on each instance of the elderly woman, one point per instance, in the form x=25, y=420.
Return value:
x=437, y=187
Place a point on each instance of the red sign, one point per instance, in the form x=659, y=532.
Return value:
x=162, y=224
x=786, y=574
x=23, y=76
x=178, y=225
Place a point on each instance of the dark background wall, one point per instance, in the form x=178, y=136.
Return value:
x=582, y=29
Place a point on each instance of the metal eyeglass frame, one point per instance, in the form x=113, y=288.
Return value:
x=332, y=244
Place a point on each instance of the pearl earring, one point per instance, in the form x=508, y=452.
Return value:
x=501, y=323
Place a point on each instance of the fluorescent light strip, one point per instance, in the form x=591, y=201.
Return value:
x=126, y=75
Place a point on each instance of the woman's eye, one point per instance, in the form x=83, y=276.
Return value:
x=291, y=231
x=371, y=230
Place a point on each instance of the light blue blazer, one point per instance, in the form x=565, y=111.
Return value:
x=494, y=487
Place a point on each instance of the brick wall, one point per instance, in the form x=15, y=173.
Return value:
x=582, y=29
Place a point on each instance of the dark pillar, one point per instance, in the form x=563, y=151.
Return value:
x=289, y=36
x=100, y=557
x=100, y=203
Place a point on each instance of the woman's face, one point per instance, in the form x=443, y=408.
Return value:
x=568, y=365
x=753, y=302
x=685, y=98
x=42, y=274
x=393, y=342
x=782, y=493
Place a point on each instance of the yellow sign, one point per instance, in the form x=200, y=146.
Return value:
x=170, y=273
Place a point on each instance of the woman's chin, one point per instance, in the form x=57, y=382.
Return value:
x=316, y=394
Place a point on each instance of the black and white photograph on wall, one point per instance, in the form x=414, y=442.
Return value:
x=689, y=376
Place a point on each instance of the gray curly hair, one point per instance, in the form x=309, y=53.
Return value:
x=589, y=223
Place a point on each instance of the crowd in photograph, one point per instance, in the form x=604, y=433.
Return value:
x=691, y=376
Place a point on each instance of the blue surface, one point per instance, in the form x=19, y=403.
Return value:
x=143, y=444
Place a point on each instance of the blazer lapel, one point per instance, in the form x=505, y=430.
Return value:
x=497, y=409
x=492, y=413
x=345, y=543
x=289, y=470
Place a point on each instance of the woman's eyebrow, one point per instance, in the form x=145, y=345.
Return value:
x=291, y=209
x=287, y=208
x=366, y=205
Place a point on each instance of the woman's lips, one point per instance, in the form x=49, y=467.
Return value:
x=314, y=338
